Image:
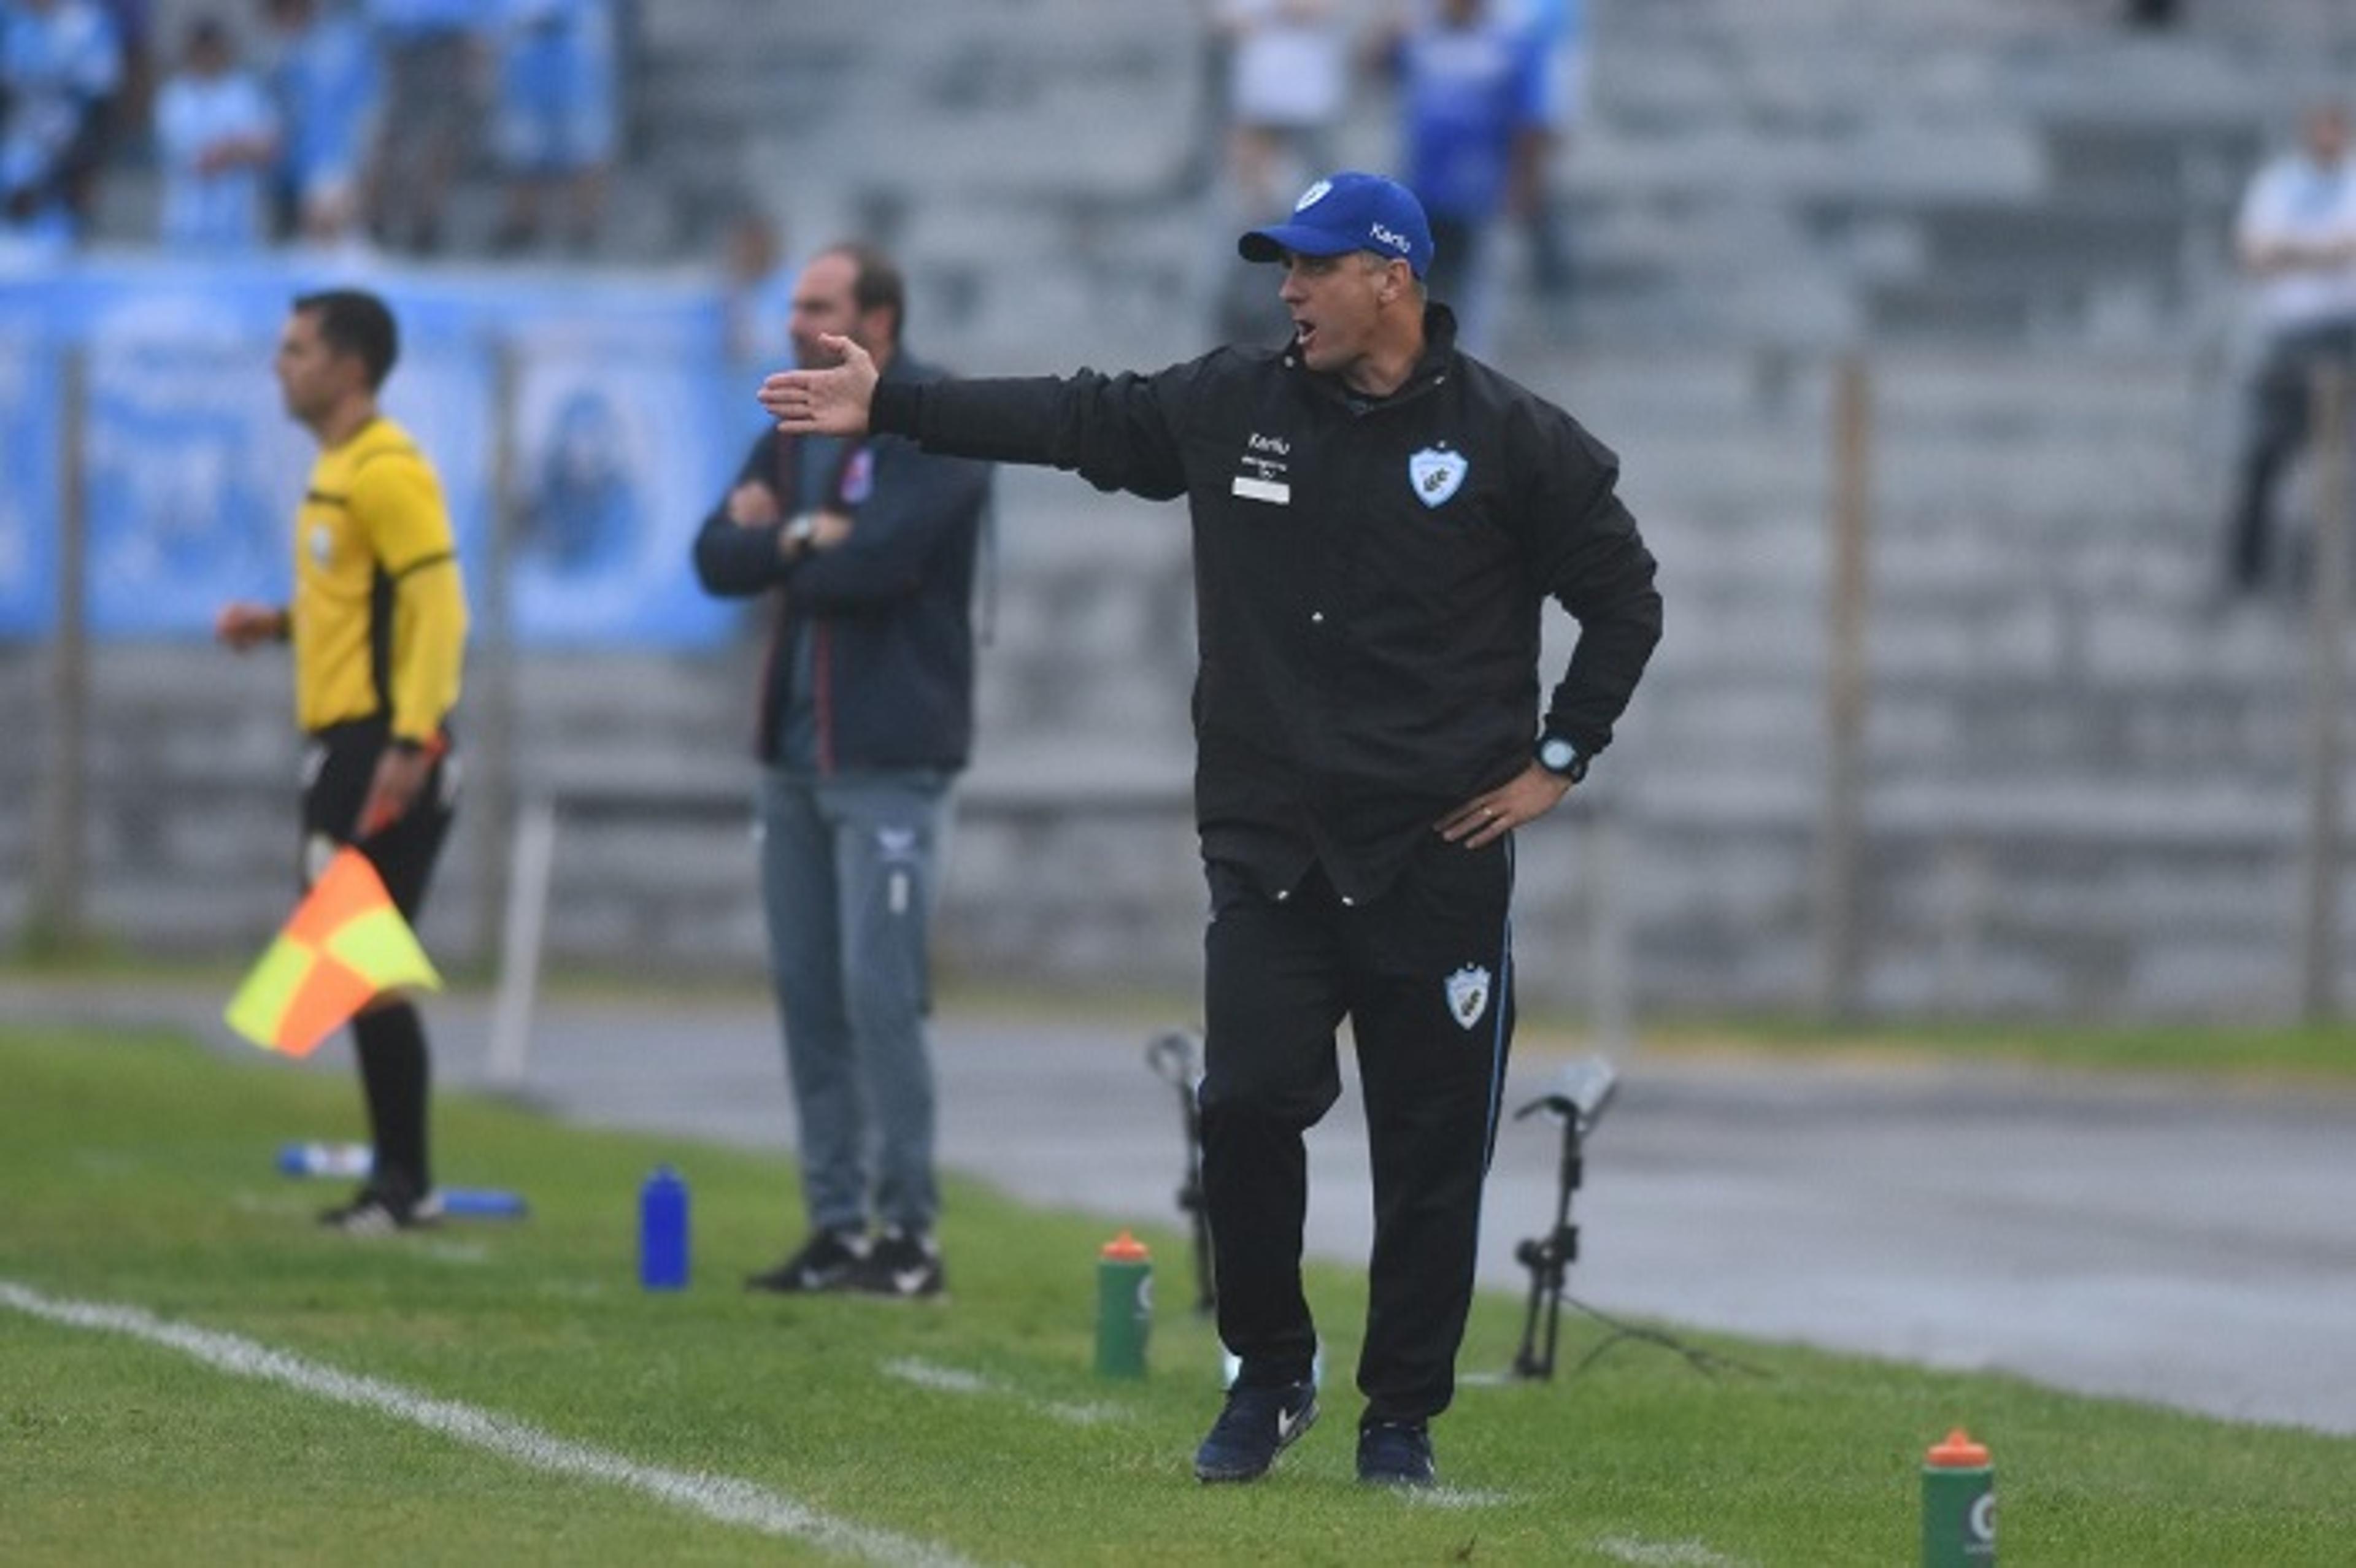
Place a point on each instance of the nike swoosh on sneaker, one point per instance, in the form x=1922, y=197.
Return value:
x=908, y=1281
x=1289, y=1423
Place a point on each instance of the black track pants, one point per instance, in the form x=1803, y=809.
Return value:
x=1424, y=975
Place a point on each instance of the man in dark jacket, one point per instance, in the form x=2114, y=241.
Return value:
x=1378, y=521
x=866, y=718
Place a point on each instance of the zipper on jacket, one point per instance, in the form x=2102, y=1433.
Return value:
x=822, y=694
x=1416, y=386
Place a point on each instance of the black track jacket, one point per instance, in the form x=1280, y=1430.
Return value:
x=1368, y=576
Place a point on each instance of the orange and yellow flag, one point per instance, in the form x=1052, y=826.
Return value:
x=344, y=946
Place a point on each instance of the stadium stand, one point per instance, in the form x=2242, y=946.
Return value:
x=2083, y=789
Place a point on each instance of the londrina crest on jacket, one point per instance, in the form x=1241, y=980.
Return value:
x=1468, y=995
x=1437, y=473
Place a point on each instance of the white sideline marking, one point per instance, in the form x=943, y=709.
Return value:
x=721, y=1497
x=1454, y=1497
x=956, y=1380
x=1666, y=1554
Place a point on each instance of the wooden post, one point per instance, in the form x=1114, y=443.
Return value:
x=2325, y=678
x=491, y=740
x=1611, y=955
x=1839, y=923
x=59, y=869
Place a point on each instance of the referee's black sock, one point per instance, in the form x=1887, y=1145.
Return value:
x=394, y=1077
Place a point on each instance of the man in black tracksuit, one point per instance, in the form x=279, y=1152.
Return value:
x=1377, y=521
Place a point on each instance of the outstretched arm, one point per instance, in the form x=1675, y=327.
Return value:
x=1118, y=433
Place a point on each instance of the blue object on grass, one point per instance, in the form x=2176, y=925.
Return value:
x=483, y=1203
x=324, y=1159
x=662, y=1231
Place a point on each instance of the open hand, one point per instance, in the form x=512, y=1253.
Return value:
x=240, y=625
x=830, y=400
x=398, y=780
x=753, y=505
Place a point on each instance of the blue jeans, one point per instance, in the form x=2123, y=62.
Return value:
x=849, y=872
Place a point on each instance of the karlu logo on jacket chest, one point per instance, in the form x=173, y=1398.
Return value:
x=1263, y=461
x=1437, y=473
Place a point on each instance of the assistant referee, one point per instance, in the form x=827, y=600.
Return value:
x=1378, y=521
x=379, y=628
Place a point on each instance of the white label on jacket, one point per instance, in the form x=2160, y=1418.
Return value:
x=1269, y=490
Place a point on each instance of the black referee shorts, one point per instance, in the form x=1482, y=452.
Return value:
x=339, y=763
x=1424, y=975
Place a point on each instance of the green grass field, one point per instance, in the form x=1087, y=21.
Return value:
x=136, y=1173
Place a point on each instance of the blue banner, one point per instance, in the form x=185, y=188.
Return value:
x=620, y=450
x=29, y=436
x=620, y=442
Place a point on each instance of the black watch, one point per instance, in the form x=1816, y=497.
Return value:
x=1563, y=760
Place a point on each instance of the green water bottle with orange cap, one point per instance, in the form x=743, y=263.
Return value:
x=1958, y=1504
x=1124, y=1306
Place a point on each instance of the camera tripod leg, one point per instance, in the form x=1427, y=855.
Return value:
x=1174, y=1057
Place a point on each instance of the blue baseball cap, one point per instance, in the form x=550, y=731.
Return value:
x=1345, y=212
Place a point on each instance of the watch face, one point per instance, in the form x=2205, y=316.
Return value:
x=1558, y=755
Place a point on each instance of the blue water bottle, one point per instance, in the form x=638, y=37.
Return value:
x=662, y=1231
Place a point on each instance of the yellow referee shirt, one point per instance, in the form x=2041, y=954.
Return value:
x=379, y=613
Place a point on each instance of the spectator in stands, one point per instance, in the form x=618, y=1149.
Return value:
x=868, y=546
x=759, y=286
x=1473, y=94
x=1557, y=31
x=432, y=52
x=60, y=69
x=555, y=123
x=1287, y=75
x=2295, y=239
x=324, y=81
x=215, y=137
x=1287, y=71
x=130, y=112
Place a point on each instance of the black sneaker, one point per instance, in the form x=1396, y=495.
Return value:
x=382, y=1210
x=1258, y=1425
x=901, y=1266
x=1395, y=1454
x=824, y=1263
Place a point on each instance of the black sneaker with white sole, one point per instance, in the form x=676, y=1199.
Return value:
x=1257, y=1426
x=380, y=1210
x=1395, y=1454
x=825, y=1262
x=902, y=1265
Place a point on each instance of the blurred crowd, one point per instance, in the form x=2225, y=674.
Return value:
x=1488, y=94
x=310, y=119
